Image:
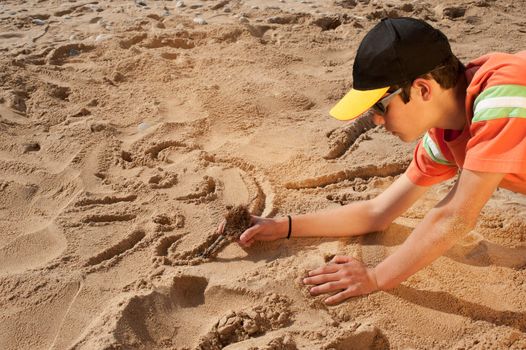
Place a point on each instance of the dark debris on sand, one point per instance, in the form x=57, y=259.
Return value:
x=237, y=221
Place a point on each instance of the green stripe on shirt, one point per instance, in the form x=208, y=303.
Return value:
x=501, y=91
x=433, y=151
x=501, y=101
x=497, y=113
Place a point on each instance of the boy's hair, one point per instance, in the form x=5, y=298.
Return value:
x=446, y=75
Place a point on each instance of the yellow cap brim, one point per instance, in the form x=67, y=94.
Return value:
x=356, y=102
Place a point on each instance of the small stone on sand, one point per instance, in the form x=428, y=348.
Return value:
x=200, y=20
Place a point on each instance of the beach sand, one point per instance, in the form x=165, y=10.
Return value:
x=127, y=128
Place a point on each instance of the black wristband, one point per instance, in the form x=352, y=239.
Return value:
x=290, y=227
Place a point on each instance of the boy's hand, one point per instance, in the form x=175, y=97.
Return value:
x=344, y=275
x=263, y=229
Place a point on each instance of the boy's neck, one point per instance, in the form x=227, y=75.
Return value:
x=453, y=106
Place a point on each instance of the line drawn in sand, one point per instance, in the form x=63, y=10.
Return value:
x=205, y=191
x=108, y=199
x=107, y=218
x=73, y=300
x=263, y=201
x=365, y=171
x=117, y=249
x=347, y=137
x=237, y=219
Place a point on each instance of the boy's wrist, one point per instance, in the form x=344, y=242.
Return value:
x=384, y=277
x=371, y=272
x=282, y=227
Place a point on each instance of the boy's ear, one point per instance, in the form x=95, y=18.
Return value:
x=423, y=88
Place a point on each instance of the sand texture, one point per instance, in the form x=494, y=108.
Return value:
x=127, y=128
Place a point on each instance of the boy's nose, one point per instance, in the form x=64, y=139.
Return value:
x=378, y=119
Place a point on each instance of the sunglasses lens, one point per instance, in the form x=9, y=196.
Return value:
x=378, y=108
x=381, y=106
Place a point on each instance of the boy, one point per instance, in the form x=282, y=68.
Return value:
x=474, y=123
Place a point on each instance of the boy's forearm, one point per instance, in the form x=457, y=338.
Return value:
x=451, y=219
x=349, y=220
x=358, y=217
x=436, y=234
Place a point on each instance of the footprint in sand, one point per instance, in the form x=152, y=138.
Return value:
x=162, y=318
x=31, y=250
x=176, y=315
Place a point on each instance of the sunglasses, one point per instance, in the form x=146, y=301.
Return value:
x=380, y=107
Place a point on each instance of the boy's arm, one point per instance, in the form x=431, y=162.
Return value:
x=352, y=219
x=452, y=218
x=360, y=217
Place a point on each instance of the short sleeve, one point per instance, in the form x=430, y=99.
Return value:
x=498, y=131
x=429, y=166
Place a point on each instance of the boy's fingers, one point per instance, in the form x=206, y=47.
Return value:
x=323, y=270
x=327, y=288
x=343, y=295
x=341, y=259
x=247, y=244
x=248, y=234
x=221, y=228
x=321, y=279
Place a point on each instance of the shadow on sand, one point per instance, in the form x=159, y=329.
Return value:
x=445, y=302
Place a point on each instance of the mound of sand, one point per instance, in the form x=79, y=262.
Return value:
x=127, y=129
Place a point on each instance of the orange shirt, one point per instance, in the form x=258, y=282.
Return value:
x=494, y=138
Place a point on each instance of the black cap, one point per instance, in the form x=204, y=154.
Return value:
x=396, y=51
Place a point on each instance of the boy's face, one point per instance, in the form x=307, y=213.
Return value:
x=409, y=120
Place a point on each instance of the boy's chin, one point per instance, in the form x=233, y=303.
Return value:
x=407, y=139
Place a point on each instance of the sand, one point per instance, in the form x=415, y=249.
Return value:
x=127, y=128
